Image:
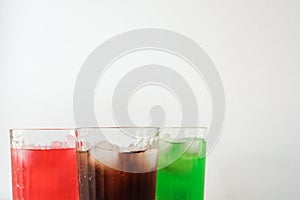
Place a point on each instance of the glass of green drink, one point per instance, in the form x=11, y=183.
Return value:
x=181, y=163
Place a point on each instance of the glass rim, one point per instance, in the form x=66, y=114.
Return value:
x=117, y=127
x=185, y=127
x=107, y=127
x=15, y=131
x=200, y=131
x=41, y=129
x=146, y=127
x=124, y=129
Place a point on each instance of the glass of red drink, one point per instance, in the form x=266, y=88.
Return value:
x=44, y=164
x=117, y=163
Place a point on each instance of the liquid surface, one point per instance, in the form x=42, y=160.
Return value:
x=184, y=177
x=46, y=174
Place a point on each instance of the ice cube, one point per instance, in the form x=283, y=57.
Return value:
x=70, y=141
x=138, y=162
x=56, y=145
x=105, y=153
x=134, y=149
x=167, y=138
x=139, y=145
x=105, y=145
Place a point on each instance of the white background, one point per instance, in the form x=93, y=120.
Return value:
x=254, y=44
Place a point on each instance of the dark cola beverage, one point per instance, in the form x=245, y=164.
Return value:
x=117, y=175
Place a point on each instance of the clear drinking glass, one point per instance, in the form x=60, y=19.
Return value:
x=181, y=174
x=43, y=164
x=117, y=163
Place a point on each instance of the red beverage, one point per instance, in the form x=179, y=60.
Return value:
x=44, y=174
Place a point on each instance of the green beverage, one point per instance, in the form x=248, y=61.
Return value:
x=182, y=170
